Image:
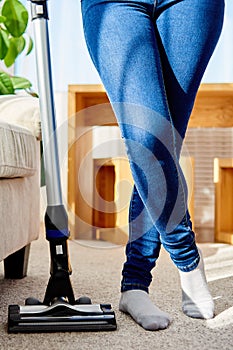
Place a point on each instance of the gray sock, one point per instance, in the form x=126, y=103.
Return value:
x=197, y=301
x=138, y=304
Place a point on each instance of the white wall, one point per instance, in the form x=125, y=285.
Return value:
x=70, y=60
x=220, y=68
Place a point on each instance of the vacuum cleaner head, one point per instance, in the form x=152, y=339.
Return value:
x=60, y=317
x=60, y=312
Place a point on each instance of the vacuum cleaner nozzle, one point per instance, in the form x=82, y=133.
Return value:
x=61, y=317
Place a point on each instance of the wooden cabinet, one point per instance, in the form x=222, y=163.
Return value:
x=223, y=178
x=89, y=106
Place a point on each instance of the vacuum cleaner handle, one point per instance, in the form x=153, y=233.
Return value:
x=56, y=219
x=47, y=110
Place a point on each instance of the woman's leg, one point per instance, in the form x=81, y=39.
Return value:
x=123, y=45
x=117, y=41
x=185, y=50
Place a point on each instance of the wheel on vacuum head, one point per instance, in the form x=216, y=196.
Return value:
x=32, y=301
x=83, y=300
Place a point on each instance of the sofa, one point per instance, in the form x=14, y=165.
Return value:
x=19, y=181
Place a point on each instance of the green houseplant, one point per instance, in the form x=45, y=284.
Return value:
x=13, y=41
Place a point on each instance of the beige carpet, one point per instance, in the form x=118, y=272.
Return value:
x=97, y=273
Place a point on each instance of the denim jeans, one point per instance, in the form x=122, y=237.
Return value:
x=151, y=57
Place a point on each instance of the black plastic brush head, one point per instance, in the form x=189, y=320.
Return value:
x=61, y=317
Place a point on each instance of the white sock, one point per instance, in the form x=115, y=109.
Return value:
x=197, y=301
x=138, y=304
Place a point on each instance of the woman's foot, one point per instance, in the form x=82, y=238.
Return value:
x=138, y=304
x=197, y=301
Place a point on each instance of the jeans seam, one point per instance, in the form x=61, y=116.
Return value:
x=131, y=218
x=154, y=8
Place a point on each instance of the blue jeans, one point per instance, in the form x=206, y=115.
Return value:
x=151, y=58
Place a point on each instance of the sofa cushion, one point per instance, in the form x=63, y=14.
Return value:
x=22, y=110
x=17, y=151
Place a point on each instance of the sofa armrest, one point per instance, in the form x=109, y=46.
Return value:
x=21, y=110
x=17, y=153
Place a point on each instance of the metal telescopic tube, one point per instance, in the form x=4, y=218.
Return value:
x=50, y=147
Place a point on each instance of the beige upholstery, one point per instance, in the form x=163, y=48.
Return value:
x=20, y=212
x=17, y=152
x=19, y=173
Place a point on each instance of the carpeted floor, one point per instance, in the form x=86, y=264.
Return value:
x=97, y=273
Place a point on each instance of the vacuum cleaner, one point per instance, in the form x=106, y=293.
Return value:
x=59, y=310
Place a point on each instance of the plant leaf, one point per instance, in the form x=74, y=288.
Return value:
x=15, y=48
x=11, y=55
x=6, y=86
x=20, y=83
x=4, y=43
x=19, y=43
x=2, y=19
x=16, y=17
x=30, y=46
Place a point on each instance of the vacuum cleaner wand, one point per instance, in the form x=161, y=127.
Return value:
x=59, y=311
